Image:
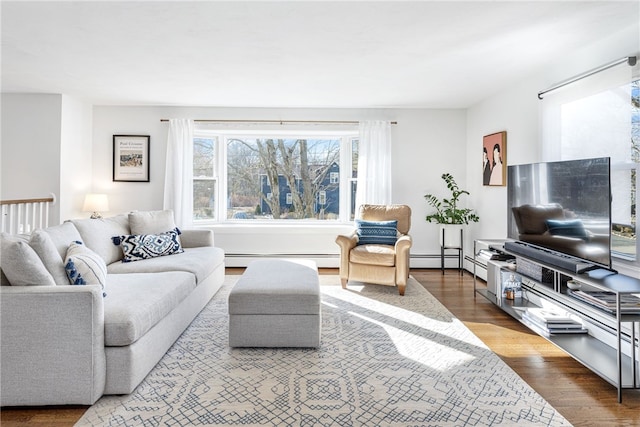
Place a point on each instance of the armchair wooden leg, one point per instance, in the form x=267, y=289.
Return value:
x=344, y=283
x=401, y=289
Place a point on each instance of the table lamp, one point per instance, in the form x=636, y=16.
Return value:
x=96, y=203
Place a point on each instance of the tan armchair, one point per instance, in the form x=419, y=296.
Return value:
x=375, y=263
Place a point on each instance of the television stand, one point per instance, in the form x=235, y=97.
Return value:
x=610, y=348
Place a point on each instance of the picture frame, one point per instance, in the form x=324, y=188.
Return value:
x=131, y=158
x=494, y=159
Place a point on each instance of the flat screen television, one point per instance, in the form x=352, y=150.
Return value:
x=562, y=208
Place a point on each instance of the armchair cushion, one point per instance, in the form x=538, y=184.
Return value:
x=376, y=232
x=384, y=255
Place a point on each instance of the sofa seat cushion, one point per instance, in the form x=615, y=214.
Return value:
x=137, y=302
x=199, y=261
x=384, y=255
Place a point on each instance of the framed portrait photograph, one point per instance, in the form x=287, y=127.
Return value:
x=494, y=159
x=131, y=158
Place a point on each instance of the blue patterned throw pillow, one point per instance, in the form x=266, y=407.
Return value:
x=85, y=267
x=376, y=232
x=144, y=246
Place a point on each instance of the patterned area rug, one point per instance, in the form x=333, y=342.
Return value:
x=385, y=360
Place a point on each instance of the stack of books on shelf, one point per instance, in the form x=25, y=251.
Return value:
x=551, y=322
x=490, y=254
x=629, y=304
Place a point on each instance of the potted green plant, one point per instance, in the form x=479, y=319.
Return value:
x=448, y=214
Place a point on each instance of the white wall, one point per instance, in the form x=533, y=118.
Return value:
x=426, y=143
x=516, y=110
x=75, y=157
x=31, y=127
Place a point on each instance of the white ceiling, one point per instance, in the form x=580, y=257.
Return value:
x=447, y=54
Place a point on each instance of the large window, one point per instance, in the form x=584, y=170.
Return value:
x=274, y=177
x=603, y=120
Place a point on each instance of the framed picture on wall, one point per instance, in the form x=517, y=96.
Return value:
x=494, y=159
x=131, y=158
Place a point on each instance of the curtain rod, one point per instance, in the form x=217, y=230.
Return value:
x=631, y=60
x=281, y=122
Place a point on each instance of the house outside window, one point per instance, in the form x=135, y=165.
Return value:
x=267, y=177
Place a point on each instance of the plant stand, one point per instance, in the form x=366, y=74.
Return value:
x=458, y=247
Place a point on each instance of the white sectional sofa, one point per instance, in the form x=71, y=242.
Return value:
x=63, y=344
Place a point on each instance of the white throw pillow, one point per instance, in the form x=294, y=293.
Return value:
x=21, y=264
x=85, y=267
x=151, y=222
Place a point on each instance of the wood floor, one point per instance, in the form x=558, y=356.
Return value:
x=578, y=394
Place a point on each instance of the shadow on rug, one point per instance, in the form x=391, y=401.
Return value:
x=384, y=360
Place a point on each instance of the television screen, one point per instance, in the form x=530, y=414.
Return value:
x=562, y=206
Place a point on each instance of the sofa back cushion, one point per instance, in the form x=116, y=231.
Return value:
x=61, y=236
x=97, y=234
x=151, y=222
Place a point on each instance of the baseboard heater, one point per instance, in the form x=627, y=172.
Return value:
x=325, y=256
x=282, y=255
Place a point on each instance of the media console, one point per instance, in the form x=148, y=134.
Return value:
x=610, y=348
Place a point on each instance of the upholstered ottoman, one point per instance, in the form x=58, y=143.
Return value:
x=276, y=303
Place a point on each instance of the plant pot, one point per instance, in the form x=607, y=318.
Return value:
x=451, y=235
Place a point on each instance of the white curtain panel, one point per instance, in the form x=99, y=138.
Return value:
x=178, y=181
x=374, y=163
x=589, y=118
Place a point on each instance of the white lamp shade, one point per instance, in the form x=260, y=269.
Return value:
x=96, y=203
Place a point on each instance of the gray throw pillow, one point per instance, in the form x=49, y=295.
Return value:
x=21, y=264
x=42, y=243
